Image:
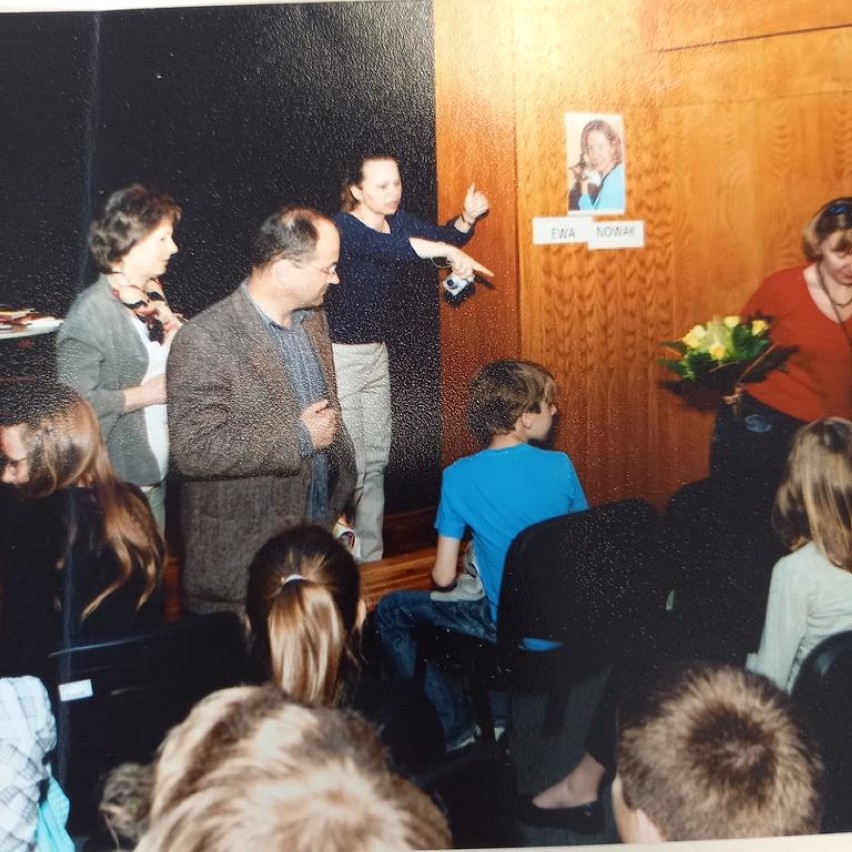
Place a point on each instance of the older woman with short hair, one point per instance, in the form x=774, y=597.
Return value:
x=115, y=340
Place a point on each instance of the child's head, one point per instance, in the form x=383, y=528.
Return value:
x=50, y=437
x=503, y=391
x=250, y=769
x=814, y=502
x=304, y=607
x=712, y=752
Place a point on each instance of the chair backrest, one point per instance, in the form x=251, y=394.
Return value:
x=581, y=578
x=115, y=699
x=823, y=695
x=717, y=549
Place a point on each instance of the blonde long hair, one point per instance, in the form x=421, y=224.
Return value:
x=303, y=605
x=814, y=501
x=65, y=449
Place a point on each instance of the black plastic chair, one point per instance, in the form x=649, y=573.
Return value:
x=717, y=550
x=584, y=580
x=115, y=699
x=823, y=695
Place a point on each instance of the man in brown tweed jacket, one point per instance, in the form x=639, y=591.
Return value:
x=254, y=422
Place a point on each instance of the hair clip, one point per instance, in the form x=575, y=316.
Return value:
x=292, y=578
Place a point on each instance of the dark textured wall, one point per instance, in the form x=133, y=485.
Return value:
x=234, y=111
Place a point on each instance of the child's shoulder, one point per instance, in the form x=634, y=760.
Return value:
x=522, y=454
x=545, y=456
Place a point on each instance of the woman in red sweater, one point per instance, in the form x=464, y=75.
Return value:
x=811, y=312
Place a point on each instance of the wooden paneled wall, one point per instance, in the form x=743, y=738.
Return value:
x=475, y=108
x=736, y=132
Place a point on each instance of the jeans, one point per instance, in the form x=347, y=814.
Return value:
x=399, y=613
x=751, y=448
x=363, y=388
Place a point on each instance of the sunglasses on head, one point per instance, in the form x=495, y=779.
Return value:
x=839, y=208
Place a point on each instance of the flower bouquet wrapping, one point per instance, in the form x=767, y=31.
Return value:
x=724, y=354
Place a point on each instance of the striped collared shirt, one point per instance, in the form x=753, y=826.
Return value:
x=306, y=377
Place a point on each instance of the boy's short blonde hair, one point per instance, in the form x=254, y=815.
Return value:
x=324, y=804
x=711, y=752
x=504, y=390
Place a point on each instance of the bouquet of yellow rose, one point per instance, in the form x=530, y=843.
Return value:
x=725, y=352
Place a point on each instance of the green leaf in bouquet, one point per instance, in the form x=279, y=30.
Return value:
x=741, y=337
x=677, y=345
x=675, y=366
x=699, y=364
x=774, y=359
x=753, y=347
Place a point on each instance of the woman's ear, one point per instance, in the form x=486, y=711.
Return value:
x=356, y=192
x=360, y=614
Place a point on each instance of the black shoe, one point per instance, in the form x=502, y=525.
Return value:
x=584, y=819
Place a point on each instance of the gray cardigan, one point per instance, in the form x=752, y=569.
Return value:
x=100, y=354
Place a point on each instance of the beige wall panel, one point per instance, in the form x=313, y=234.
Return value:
x=777, y=67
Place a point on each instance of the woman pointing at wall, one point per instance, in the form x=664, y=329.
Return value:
x=377, y=239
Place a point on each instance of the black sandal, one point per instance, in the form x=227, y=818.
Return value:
x=584, y=819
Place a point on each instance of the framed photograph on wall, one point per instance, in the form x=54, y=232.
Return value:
x=597, y=180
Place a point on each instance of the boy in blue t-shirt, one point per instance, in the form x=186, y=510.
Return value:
x=496, y=493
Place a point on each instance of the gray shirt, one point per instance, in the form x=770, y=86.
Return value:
x=809, y=600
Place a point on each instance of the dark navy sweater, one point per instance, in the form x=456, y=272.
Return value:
x=358, y=308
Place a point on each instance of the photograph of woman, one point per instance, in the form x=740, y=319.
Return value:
x=596, y=173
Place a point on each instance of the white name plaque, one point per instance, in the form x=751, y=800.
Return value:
x=552, y=230
x=617, y=234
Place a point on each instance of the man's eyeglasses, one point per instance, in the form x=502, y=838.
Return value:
x=328, y=271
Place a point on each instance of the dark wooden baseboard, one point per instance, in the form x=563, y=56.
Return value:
x=405, y=532
x=406, y=571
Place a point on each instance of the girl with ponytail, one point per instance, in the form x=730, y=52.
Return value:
x=305, y=611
